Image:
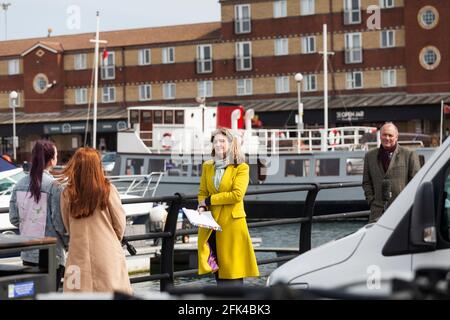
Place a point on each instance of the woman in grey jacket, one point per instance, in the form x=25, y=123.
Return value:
x=35, y=205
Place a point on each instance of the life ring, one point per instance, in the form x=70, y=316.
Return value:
x=334, y=137
x=166, y=141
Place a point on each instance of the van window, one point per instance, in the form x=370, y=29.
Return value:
x=327, y=167
x=354, y=166
x=296, y=168
x=445, y=225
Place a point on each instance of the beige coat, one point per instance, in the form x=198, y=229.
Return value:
x=402, y=168
x=96, y=261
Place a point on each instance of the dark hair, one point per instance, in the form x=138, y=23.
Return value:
x=43, y=151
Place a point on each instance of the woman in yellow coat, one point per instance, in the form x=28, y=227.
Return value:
x=228, y=253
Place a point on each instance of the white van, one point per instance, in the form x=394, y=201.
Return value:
x=413, y=233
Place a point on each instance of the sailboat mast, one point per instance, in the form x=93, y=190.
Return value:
x=97, y=42
x=325, y=87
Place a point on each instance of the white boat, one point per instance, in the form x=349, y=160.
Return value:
x=176, y=140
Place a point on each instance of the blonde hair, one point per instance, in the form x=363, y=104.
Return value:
x=235, y=154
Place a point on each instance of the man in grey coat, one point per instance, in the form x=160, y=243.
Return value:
x=387, y=170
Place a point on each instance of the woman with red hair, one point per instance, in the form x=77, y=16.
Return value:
x=95, y=220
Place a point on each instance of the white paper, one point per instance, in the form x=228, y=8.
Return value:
x=204, y=220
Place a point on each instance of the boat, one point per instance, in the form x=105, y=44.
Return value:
x=176, y=140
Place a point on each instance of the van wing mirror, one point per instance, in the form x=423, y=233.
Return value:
x=422, y=232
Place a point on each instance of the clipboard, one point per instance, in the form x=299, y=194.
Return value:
x=203, y=220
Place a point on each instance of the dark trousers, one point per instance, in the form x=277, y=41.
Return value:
x=232, y=282
x=59, y=272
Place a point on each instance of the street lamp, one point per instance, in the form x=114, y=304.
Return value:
x=5, y=8
x=299, y=78
x=13, y=103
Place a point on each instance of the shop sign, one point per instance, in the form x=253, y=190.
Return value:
x=349, y=115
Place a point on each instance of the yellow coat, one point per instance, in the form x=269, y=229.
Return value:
x=234, y=247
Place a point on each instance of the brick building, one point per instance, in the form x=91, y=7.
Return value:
x=399, y=72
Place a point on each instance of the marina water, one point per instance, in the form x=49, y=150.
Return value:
x=284, y=236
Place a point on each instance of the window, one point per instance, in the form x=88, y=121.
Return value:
x=168, y=55
x=80, y=61
x=145, y=57
x=147, y=116
x=388, y=78
x=168, y=117
x=176, y=168
x=307, y=7
x=281, y=47
x=134, y=167
x=352, y=11
x=430, y=57
x=309, y=44
x=354, y=166
x=158, y=117
x=205, y=89
x=387, y=38
x=243, y=56
x=13, y=66
x=109, y=67
x=179, y=117
x=109, y=94
x=145, y=92
x=353, y=48
x=134, y=116
x=386, y=4
x=428, y=17
x=156, y=165
x=242, y=22
x=244, y=87
x=40, y=83
x=296, y=168
x=279, y=9
x=310, y=82
x=204, y=59
x=327, y=167
x=169, y=91
x=81, y=96
x=354, y=80
x=282, y=84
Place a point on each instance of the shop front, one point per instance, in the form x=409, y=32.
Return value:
x=68, y=137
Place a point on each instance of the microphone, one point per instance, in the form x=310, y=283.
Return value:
x=386, y=190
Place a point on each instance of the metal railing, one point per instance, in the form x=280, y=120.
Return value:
x=169, y=235
x=177, y=201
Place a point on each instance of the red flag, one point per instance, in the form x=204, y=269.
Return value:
x=105, y=55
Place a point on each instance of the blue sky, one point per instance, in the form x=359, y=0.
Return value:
x=32, y=18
